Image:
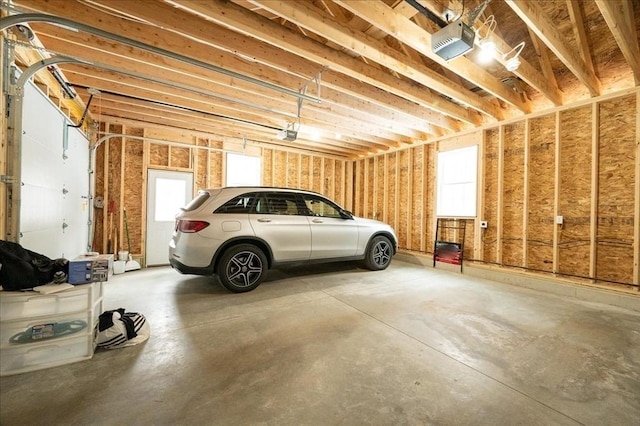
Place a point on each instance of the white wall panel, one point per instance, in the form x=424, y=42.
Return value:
x=45, y=173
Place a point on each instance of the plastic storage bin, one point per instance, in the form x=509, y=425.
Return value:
x=48, y=328
x=37, y=356
x=18, y=305
x=39, y=331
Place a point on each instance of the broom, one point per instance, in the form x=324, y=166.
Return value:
x=131, y=264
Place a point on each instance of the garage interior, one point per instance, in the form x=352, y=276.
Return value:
x=349, y=99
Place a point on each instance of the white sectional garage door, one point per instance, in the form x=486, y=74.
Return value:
x=54, y=210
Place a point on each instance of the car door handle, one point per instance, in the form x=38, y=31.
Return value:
x=317, y=221
x=264, y=220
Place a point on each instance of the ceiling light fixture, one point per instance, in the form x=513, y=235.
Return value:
x=512, y=57
x=487, y=51
x=483, y=37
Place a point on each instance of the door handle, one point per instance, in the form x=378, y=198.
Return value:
x=317, y=221
x=264, y=220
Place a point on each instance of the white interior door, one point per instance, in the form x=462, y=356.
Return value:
x=167, y=192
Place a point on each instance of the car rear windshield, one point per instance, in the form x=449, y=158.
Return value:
x=197, y=202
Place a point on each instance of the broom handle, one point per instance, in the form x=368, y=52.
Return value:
x=126, y=228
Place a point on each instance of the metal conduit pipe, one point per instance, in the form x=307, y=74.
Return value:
x=181, y=86
x=40, y=17
x=160, y=141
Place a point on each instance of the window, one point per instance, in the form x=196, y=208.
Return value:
x=281, y=203
x=170, y=197
x=319, y=207
x=241, y=204
x=243, y=170
x=457, y=182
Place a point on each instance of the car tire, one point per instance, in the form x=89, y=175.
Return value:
x=242, y=268
x=379, y=253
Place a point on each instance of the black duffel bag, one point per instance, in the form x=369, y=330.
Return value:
x=21, y=268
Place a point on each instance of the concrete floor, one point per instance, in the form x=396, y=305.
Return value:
x=334, y=344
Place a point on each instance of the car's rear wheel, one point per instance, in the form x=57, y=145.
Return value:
x=379, y=254
x=242, y=268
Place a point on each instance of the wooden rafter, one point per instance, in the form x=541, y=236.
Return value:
x=575, y=13
x=319, y=22
x=543, y=57
x=619, y=17
x=526, y=71
x=238, y=19
x=533, y=15
x=403, y=29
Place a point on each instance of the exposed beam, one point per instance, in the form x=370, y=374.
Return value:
x=526, y=72
x=575, y=13
x=241, y=20
x=533, y=15
x=404, y=30
x=618, y=14
x=227, y=133
x=543, y=57
x=240, y=94
x=317, y=21
x=163, y=95
x=293, y=61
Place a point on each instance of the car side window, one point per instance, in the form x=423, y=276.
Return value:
x=241, y=204
x=280, y=203
x=320, y=207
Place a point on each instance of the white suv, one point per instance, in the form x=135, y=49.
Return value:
x=239, y=233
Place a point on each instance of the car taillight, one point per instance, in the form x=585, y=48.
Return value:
x=191, y=225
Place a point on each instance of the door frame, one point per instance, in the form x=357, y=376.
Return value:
x=150, y=172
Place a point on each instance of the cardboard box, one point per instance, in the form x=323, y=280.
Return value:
x=90, y=268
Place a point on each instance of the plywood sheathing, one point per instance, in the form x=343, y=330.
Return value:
x=179, y=157
x=305, y=172
x=292, y=170
x=329, y=178
x=469, y=240
x=358, y=187
x=616, y=185
x=370, y=195
x=391, y=175
x=430, y=196
x=540, y=221
x=158, y=155
x=402, y=200
x=279, y=168
x=201, y=174
x=377, y=182
x=574, y=242
x=267, y=167
x=316, y=184
x=417, y=199
x=339, y=174
x=513, y=194
x=490, y=235
x=133, y=199
x=99, y=191
x=215, y=165
x=114, y=178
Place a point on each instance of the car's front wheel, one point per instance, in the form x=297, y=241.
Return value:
x=379, y=253
x=242, y=268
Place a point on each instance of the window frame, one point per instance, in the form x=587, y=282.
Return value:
x=471, y=169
